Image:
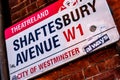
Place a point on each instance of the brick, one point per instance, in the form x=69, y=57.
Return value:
x=118, y=22
x=90, y=79
x=113, y=74
x=67, y=70
x=58, y=72
x=23, y=13
x=74, y=76
x=81, y=63
x=112, y=77
x=102, y=54
x=114, y=6
x=118, y=47
x=15, y=16
x=20, y=1
x=17, y=8
x=112, y=2
x=113, y=62
x=101, y=66
x=40, y=3
x=77, y=76
x=32, y=7
x=13, y=3
x=117, y=73
x=26, y=2
x=104, y=77
x=116, y=13
x=71, y=67
x=31, y=1
x=97, y=56
x=91, y=71
x=52, y=76
x=46, y=78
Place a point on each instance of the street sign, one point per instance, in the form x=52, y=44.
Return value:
x=57, y=34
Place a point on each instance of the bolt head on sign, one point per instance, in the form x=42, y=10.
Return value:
x=57, y=34
x=93, y=28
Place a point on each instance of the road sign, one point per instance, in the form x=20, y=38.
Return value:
x=57, y=34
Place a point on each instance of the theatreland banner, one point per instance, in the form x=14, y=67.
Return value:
x=57, y=34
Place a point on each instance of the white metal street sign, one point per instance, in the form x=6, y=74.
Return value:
x=57, y=34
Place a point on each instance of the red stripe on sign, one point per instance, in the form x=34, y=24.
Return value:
x=33, y=19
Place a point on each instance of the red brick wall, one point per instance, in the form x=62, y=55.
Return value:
x=101, y=65
x=21, y=8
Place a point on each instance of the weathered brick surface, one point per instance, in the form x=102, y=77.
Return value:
x=31, y=1
x=112, y=62
x=73, y=76
x=15, y=16
x=108, y=75
x=24, y=8
x=91, y=71
x=100, y=65
x=103, y=54
x=32, y=7
x=41, y=3
x=115, y=6
x=17, y=7
x=13, y=3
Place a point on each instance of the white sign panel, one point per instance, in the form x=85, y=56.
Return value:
x=57, y=34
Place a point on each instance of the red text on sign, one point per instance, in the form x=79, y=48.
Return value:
x=70, y=34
